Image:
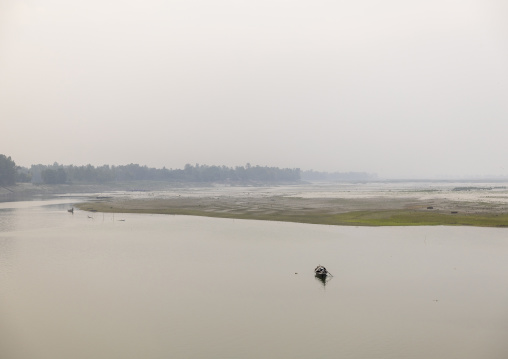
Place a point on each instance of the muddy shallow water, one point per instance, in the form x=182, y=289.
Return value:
x=92, y=285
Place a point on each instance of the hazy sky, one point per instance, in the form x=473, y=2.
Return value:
x=400, y=88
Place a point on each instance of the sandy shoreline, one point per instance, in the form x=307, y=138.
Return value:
x=335, y=204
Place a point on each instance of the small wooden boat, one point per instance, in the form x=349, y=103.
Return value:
x=321, y=271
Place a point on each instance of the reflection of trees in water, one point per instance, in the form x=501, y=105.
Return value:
x=8, y=222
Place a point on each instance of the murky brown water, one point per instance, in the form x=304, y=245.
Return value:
x=153, y=286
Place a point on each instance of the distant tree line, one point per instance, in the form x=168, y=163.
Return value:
x=7, y=171
x=337, y=176
x=56, y=173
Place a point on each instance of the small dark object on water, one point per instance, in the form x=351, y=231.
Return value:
x=322, y=274
x=454, y=212
x=321, y=271
x=430, y=207
x=71, y=210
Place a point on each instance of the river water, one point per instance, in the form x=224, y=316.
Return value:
x=125, y=286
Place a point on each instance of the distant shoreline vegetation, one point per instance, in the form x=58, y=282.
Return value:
x=60, y=174
x=88, y=174
x=338, y=176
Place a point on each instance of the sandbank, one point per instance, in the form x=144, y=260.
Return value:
x=373, y=211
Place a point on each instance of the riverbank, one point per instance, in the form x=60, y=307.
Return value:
x=29, y=191
x=373, y=211
x=360, y=204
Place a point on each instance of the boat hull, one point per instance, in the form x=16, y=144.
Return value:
x=321, y=271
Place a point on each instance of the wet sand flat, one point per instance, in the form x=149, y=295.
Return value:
x=335, y=211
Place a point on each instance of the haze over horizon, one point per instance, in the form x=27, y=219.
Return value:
x=401, y=89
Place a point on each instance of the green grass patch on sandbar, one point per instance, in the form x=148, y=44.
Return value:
x=420, y=218
x=355, y=218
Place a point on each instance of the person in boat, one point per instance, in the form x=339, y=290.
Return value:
x=320, y=270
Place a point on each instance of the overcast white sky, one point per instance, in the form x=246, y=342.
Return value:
x=400, y=88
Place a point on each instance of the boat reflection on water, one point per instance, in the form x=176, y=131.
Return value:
x=323, y=279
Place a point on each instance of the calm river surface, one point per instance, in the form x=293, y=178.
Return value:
x=125, y=286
